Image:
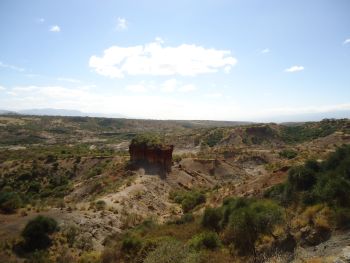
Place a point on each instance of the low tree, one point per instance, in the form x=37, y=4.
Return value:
x=247, y=223
x=36, y=233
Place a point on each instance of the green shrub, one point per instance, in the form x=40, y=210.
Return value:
x=342, y=217
x=207, y=240
x=147, y=139
x=313, y=182
x=248, y=222
x=333, y=189
x=185, y=218
x=131, y=245
x=214, y=137
x=36, y=233
x=100, y=205
x=188, y=200
x=211, y=218
x=301, y=178
x=288, y=154
x=9, y=201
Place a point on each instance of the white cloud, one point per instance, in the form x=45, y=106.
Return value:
x=122, y=24
x=187, y=88
x=71, y=80
x=136, y=106
x=227, y=69
x=3, y=65
x=40, y=20
x=347, y=41
x=55, y=28
x=294, y=69
x=157, y=60
x=137, y=88
x=265, y=51
x=2, y=88
x=159, y=40
x=213, y=95
x=169, y=85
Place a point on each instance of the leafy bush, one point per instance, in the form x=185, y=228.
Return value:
x=148, y=139
x=214, y=137
x=342, y=217
x=188, y=200
x=131, y=245
x=36, y=233
x=246, y=223
x=9, y=201
x=207, y=240
x=288, y=154
x=185, y=218
x=211, y=218
x=301, y=178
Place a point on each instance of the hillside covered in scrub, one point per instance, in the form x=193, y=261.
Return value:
x=69, y=191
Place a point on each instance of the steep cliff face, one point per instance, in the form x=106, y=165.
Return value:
x=155, y=156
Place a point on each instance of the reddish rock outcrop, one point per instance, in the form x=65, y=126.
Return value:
x=159, y=156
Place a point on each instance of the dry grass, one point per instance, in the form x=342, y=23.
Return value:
x=317, y=215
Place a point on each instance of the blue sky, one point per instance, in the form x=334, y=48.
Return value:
x=223, y=59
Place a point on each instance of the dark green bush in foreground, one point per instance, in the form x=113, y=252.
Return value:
x=36, y=233
x=243, y=220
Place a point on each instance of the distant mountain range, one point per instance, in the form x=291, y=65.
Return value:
x=344, y=114
x=278, y=119
x=59, y=112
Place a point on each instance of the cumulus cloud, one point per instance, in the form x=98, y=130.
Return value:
x=71, y=80
x=155, y=59
x=294, y=69
x=2, y=88
x=167, y=86
x=347, y=41
x=213, y=95
x=3, y=65
x=187, y=88
x=55, y=28
x=122, y=24
x=137, y=88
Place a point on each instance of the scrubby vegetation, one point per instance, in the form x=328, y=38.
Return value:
x=147, y=139
x=188, y=199
x=310, y=131
x=36, y=233
x=76, y=169
x=235, y=226
x=312, y=183
x=289, y=154
x=213, y=137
